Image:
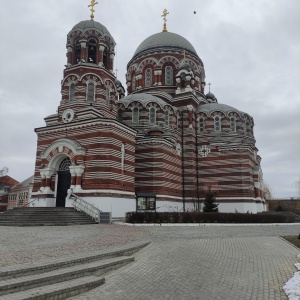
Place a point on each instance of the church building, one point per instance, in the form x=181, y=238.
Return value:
x=167, y=138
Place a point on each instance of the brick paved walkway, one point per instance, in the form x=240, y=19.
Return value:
x=204, y=262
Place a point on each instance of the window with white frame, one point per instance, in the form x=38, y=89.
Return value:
x=90, y=92
x=217, y=123
x=148, y=77
x=135, y=115
x=152, y=115
x=72, y=92
x=232, y=124
x=168, y=75
x=201, y=124
x=167, y=118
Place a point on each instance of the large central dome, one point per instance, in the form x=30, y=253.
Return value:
x=165, y=40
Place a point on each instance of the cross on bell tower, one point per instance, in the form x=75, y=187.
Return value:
x=93, y=3
x=164, y=15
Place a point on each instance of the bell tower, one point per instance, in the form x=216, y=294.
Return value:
x=85, y=132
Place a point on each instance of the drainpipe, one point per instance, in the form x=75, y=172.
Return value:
x=182, y=165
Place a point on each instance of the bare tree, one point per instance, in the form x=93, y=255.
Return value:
x=267, y=191
x=3, y=186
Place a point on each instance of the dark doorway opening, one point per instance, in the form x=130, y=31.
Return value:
x=63, y=182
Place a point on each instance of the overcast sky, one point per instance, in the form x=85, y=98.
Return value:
x=250, y=50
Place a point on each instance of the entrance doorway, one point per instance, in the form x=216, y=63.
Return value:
x=63, y=182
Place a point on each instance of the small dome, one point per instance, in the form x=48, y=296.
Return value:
x=185, y=65
x=118, y=82
x=165, y=40
x=89, y=24
x=211, y=96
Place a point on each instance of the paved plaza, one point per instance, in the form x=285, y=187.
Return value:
x=200, y=262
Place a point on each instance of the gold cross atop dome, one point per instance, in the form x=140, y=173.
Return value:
x=93, y=3
x=164, y=15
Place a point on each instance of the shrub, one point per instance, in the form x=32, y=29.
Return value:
x=208, y=217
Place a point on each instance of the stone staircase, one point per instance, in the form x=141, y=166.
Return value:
x=44, y=216
x=63, y=277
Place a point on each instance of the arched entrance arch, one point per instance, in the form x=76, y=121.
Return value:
x=64, y=159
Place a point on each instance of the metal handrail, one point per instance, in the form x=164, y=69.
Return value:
x=27, y=204
x=84, y=206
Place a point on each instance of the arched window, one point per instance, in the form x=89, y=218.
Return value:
x=177, y=120
x=77, y=53
x=120, y=115
x=167, y=118
x=65, y=164
x=152, y=115
x=133, y=83
x=107, y=95
x=148, y=77
x=72, y=92
x=201, y=124
x=92, y=51
x=217, y=123
x=90, y=92
x=135, y=115
x=168, y=75
x=232, y=124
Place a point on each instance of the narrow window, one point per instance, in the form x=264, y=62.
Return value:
x=152, y=115
x=90, y=92
x=92, y=51
x=120, y=115
x=72, y=91
x=105, y=58
x=217, y=123
x=169, y=75
x=232, y=124
x=135, y=115
x=77, y=53
x=122, y=156
x=133, y=83
x=107, y=95
x=167, y=118
x=148, y=77
x=201, y=124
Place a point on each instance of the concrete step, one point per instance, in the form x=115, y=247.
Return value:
x=62, y=290
x=69, y=273
x=68, y=261
x=44, y=216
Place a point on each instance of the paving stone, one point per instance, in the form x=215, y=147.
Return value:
x=203, y=262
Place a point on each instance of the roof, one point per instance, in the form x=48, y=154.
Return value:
x=165, y=40
x=89, y=24
x=24, y=183
x=142, y=98
x=211, y=107
x=7, y=180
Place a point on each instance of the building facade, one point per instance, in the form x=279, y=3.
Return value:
x=165, y=138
